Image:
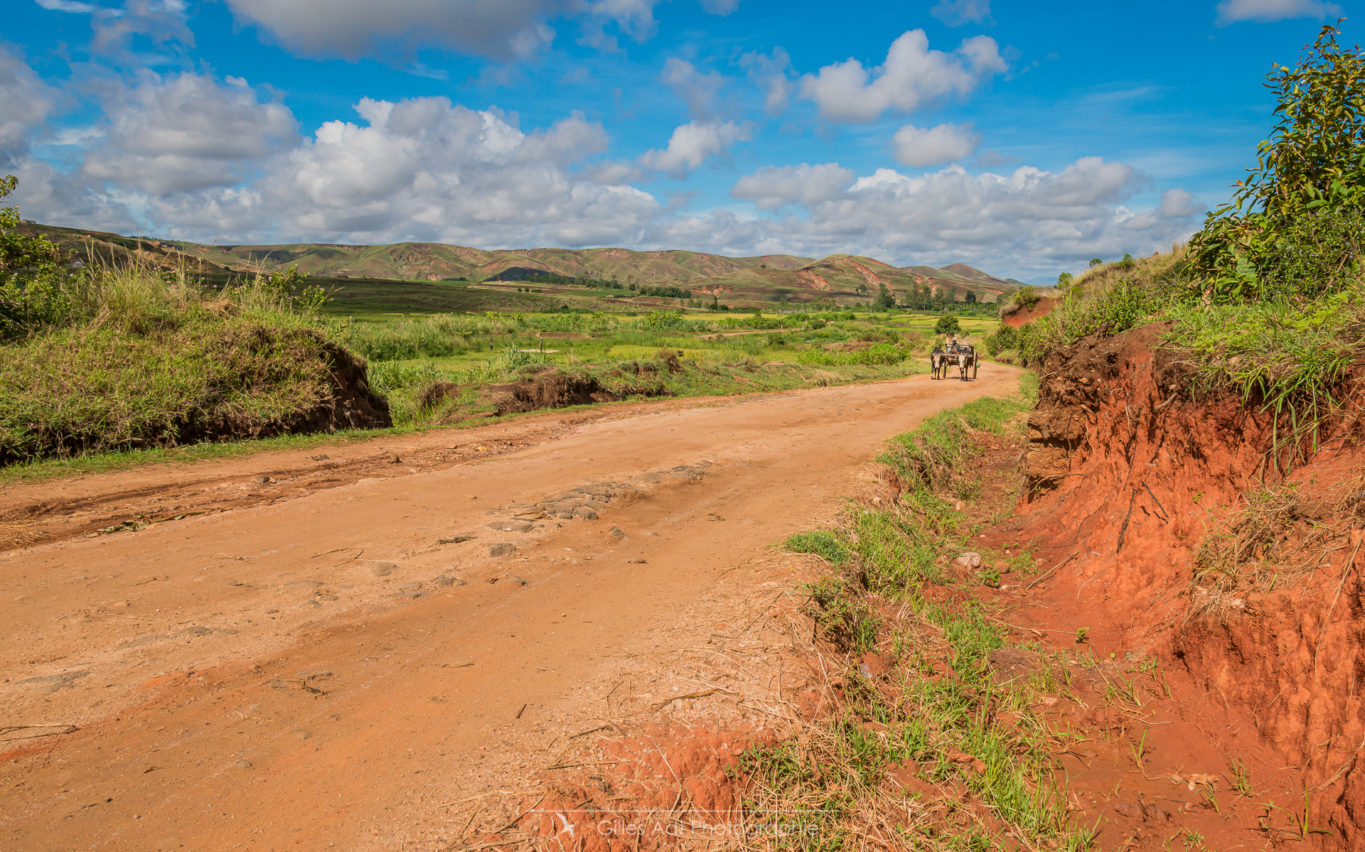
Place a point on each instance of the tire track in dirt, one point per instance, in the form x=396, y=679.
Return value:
x=343, y=663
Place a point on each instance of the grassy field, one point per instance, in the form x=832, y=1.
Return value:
x=659, y=353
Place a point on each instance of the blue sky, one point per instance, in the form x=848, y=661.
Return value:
x=1023, y=138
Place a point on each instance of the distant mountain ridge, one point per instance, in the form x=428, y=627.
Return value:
x=840, y=277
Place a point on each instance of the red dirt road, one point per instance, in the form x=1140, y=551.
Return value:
x=342, y=645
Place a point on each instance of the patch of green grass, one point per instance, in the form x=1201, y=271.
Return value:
x=1287, y=358
x=841, y=612
x=141, y=360
x=945, y=725
x=935, y=457
x=823, y=543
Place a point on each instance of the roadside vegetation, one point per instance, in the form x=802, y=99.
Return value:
x=133, y=355
x=937, y=749
x=100, y=359
x=439, y=368
x=1268, y=299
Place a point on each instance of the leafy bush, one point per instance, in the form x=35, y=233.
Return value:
x=1004, y=338
x=35, y=289
x=1294, y=225
x=1026, y=296
x=947, y=324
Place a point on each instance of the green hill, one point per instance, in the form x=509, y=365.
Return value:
x=845, y=279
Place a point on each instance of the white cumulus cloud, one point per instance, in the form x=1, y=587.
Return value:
x=911, y=76
x=1177, y=204
x=1231, y=11
x=955, y=13
x=698, y=89
x=933, y=146
x=691, y=144
x=1031, y=223
x=67, y=6
x=774, y=187
x=186, y=132
x=720, y=7
x=428, y=169
x=25, y=103
x=771, y=73
x=352, y=28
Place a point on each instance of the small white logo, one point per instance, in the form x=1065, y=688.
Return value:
x=568, y=827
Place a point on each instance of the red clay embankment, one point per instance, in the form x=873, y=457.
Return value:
x=1131, y=475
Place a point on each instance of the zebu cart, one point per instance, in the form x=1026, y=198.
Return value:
x=964, y=359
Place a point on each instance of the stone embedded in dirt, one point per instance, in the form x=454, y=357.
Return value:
x=512, y=526
x=586, y=513
x=514, y=580
x=502, y=548
x=969, y=559
x=384, y=569
x=448, y=579
x=1012, y=662
x=615, y=532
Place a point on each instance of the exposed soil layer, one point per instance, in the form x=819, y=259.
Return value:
x=1145, y=757
x=1137, y=489
x=548, y=390
x=1022, y=315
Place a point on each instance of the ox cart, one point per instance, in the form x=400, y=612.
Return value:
x=962, y=357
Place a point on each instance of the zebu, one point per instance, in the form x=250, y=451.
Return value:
x=963, y=357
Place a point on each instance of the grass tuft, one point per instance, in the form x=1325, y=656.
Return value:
x=939, y=714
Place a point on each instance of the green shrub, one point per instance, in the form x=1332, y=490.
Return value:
x=947, y=324
x=1004, y=338
x=1293, y=228
x=98, y=359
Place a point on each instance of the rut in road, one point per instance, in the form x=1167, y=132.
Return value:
x=344, y=663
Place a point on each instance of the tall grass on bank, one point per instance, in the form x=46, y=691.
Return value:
x=136, y=358
x=948, y=727
x=1286, y=356
x=1105, y=300
x=1289, y=359
x=1268, y=299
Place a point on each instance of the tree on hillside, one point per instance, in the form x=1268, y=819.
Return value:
x=885, y=300
x=1296, y=224
x=1027, y=296
x=947, y=324
x=19, y=252
x=33, y=290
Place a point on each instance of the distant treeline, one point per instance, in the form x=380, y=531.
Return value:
x=597, y=284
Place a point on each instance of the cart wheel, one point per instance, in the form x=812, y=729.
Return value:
x=976, y=365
